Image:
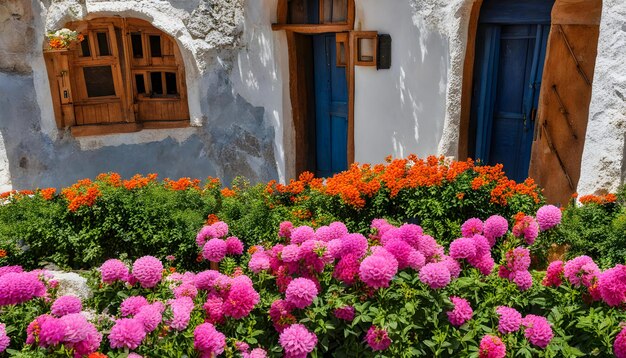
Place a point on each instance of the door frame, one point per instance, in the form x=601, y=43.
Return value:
x=297, y=79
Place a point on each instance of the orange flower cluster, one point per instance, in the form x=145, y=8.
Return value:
x=139, y=181
x=7, y=194
x=48, y=193
x=112, y=179
x=212, y=219
x=83, y=193
x=212, y=183
x=182, y=184
x=3, y=253
x=96, y=355
x=56, y=44
x=504, y=188
x=227, y=193
x=598, y=199
x=295, y=187
x=16, y=193
x=354, y=185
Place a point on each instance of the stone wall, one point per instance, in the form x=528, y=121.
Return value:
x=230, y=136
x=604, y=156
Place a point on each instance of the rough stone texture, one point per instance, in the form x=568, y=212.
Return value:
x=451, y=18
x=218, y=22
x=72, y=284
x=235, y=141
x=16, y=35
x=603, y=162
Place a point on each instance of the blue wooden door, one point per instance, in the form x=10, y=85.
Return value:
x=331, y=107
x=510, y=53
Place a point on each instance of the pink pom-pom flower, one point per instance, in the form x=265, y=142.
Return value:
x=548, y=216
x=377, y=339
x=461, y=313
x=537, y=330
x=435, y=275
x=127, y=333
x=113, y=270
x=66, y=305
x=297, y=341
x=510, y=319
x=214, y=250
x=491, y=347
x=378, y=269
x=301, y=292
x=148, y=270
x=208, y=340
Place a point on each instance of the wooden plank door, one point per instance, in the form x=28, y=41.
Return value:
x=509, y=70
x=331, y=104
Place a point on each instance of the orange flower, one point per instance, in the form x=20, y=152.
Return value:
x=139, y=181
x=56, y=43
x=48, y=193
x=3, y=253
x=598, y=199
x=83, y=193
x=227, y=193
x=212, y=219
x=96, y=355
x=113, y=179
x=182, y=184
x=460, y=196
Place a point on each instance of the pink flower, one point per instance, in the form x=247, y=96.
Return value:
x=510, y=319
x=462, y=248
x=435, y=275
x=537, y=330
x=127, y=333
x=428, y=247
x=378, y=270
x=491, y=347
x=19, y=287
x=220, y=229
x=472, y=227
x=259, y=261
x=113, y=270
x=619, y=346
x=523, y=279
x=242, y=346
x=280, y=313
x=495, y=227
x=66, y=305
x=411, y=234
x=204, y=280
x=347, y=269
x=355, y=244
x=527, y=228
x=302, y=234
x=574, y=271
x=291, y=253
x=208, y=340
x=170, y=258
x=518, y=259
x=297, y=341
x=186, y=289
x=345, y=313
x=256, y=353
x=234, y=246
x=4, y=339
x=453, y=266
x=285, y=229
x=10, y=269
x=324, y=233
x=612, y=285
x=548, y=216
x=485, y=264
x=301, y=292
x=416, y=260
x=241, y=298
x=131, y=305
x=181, y=313
x=377, y=339
x=150, y=316
x=213, y=308
x=461, y=313
x=339, y=228
x=45, y=329
x=148, y=270
x=401, y=251
x=554, y=274
x=214, y=250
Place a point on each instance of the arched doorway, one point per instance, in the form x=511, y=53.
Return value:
x=510, y=51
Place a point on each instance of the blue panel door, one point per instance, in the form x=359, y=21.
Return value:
x=509, y=67
x=331, y=106
x=510, y=53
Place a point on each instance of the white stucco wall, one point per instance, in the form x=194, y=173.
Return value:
x=401, y=110
x=603, y=163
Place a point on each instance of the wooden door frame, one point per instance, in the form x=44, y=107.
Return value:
x=296, y=82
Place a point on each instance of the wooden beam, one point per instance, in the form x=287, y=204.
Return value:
x=312, y=28
x=105, y=129
x=468, y=78
x=351, y=91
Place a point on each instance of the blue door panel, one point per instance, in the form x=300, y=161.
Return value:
x=331, y=104
x=508, y=70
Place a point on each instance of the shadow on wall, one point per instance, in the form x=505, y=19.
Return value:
x=406, y=103
x=235, y=141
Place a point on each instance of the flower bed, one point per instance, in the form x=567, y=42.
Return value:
x=393, y=292
x=111, y=217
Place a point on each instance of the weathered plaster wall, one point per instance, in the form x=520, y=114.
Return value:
x=232, y=137
x=401, y=110
x=604, y=156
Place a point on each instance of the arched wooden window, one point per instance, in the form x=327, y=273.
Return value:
x=124, y=76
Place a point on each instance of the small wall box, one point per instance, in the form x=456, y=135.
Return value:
x=384, y=52
x=365, y=48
